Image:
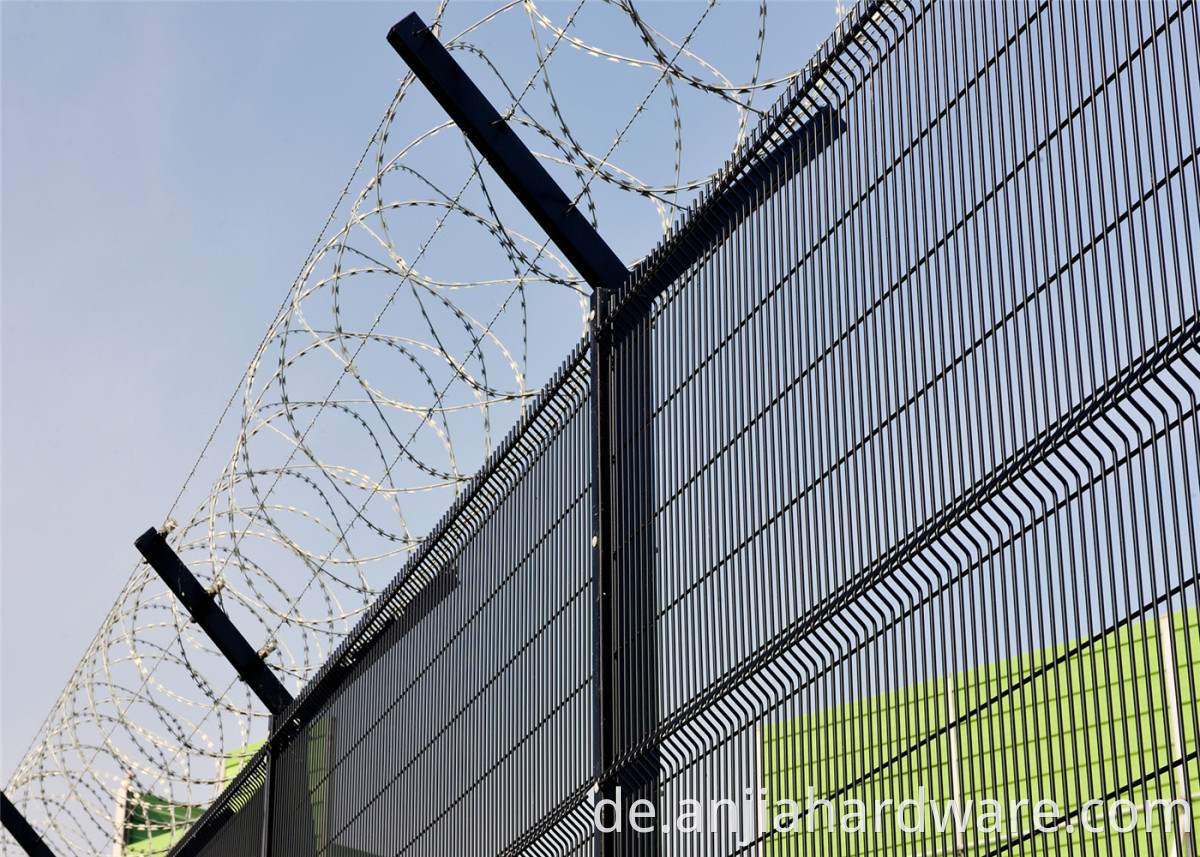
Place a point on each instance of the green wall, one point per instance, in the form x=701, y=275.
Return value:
x=1068, y=724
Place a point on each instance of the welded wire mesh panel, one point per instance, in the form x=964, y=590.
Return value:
x=922, y=430
x=461, y=709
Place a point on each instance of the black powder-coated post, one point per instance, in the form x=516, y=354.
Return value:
x=625, y=660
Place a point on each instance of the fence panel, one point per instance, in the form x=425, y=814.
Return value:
x=904, y=516
x=925, y=491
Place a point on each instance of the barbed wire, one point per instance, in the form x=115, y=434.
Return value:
x=424, y=318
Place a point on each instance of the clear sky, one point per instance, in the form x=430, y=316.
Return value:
x=165, y=169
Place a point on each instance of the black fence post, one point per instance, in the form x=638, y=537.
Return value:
x=625, y=657
x=603, y=697
x=269, y=764
x=626, y=448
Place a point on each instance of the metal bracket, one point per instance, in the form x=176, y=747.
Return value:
x=21, y=830
x=209, y=616
x=508, y=156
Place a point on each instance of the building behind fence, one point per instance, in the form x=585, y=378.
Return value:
x=878, y=483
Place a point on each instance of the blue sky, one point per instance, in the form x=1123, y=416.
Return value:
x=166, y=168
